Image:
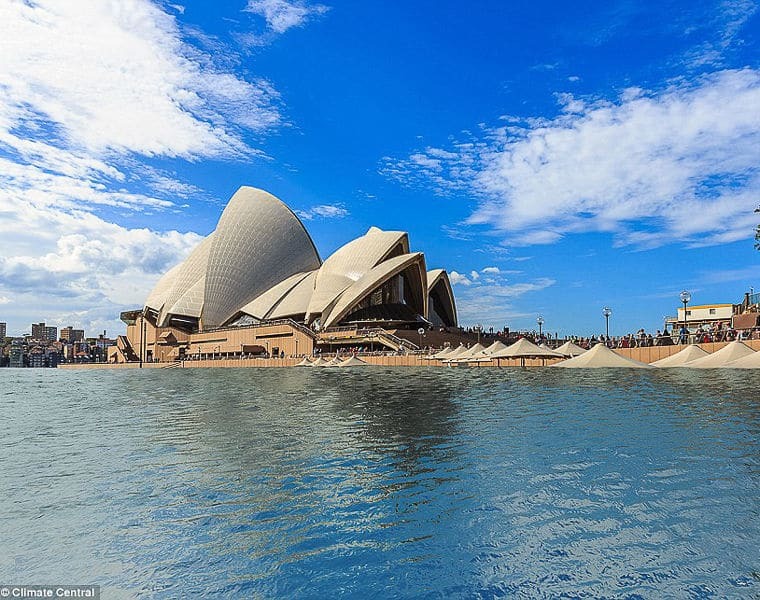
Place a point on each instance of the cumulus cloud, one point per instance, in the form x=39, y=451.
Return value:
x=323, y=211
x=494, y=303
x=650, y=168
x=282, y=15
x=89, y=92
x=492, y=300
x=459, y=279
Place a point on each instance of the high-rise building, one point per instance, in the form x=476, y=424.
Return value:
x=38, y=331
x=41, y=332
x=72, y=335
x=3, y=330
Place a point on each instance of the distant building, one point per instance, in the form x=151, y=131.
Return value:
x=69, y=334
x=37, y=360
x=698, y=316
x=41, y=332
x=3, y=330
x=16, y=355
x=260, y=268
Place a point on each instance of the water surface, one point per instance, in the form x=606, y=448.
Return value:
x=377, y=483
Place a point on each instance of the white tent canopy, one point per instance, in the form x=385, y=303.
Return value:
x=443, y=353
x=524, y=348
x=729, y=353
x=691, y=352
x=600, y=357
x=497, y=346
x=456, y=354
x=750, y=361
x=473, y=351
x=354, y=362
x=570, y=349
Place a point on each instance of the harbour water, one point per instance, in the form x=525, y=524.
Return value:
x=380, y=483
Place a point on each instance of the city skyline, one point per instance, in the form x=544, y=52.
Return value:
x=556, y=159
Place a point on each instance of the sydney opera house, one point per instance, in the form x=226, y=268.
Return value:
x=257, y=284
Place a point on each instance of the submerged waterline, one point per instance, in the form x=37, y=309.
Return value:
x=382, y=482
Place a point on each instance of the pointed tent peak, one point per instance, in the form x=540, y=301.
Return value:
x=354, y=361
x=600, y=356
x=472, y=351
x=683, y=356
x=524, y=348
x=570, y=349
x=730, y=352
x=443, y=353
x=750, y=361
x=497, y=346
x=305, y=362
x=461, y=349
x=319, y=362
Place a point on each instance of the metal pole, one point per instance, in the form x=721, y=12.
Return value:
x=685, y=325
x=142, y=339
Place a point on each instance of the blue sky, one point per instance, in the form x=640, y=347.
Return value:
x=554, y=157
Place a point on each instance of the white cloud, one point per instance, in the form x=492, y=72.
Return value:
x=117, y=76
x=651, y=168
x=282, y=15
x=5, y=300
x=324, y=211
x=459, y=279
x=90, y=91
x=494, y=303
x=491, y=300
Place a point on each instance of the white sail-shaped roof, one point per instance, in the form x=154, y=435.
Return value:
x=189, y=273
x=373, y=279
x=352, y=262
x=296, y=302
x=439, y=290
x=258, y=243
x=190, y=304
x=261, y=262
x=158, y=295
x=263, y=304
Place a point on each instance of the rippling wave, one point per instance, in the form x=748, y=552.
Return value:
x=313, y=483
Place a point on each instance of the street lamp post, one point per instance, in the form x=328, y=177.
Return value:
x=421, y=331
x=540, y=321
x=607, y=311
x=685, y=298
x=478, y=328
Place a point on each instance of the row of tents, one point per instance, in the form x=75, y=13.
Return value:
x=734, y=355
x=352, y=361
